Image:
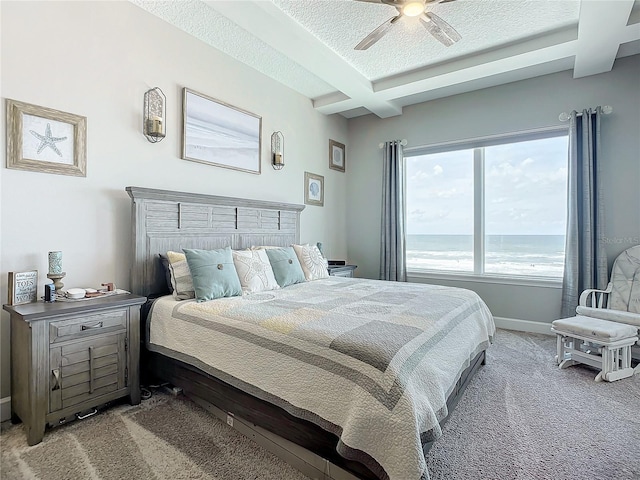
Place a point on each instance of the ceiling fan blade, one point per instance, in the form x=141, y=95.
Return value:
x=441, y=30
x=369, y=1
x=377, y=34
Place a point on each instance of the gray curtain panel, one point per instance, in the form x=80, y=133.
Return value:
x=585, y=262
x=392, y=239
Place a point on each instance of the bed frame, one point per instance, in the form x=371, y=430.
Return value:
x=164, y=220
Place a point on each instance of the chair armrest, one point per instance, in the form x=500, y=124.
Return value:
x=599, y=298
x=611, y=315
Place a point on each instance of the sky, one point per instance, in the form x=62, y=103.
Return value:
x=525, y=190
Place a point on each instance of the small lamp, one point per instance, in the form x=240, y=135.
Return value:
x=277, y=150
x=153, y=123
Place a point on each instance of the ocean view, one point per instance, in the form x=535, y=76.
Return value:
x=531, y=255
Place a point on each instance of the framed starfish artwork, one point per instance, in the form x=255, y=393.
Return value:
x=45, y=140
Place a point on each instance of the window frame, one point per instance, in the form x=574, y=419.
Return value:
x=478, y=144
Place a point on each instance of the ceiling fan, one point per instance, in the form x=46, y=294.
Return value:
x=436, y=26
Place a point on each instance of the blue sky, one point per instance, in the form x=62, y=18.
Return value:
x=525, y=190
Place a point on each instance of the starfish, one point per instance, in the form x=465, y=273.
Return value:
x=47, y=140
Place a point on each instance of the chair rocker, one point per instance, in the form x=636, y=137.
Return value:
x=605, y=331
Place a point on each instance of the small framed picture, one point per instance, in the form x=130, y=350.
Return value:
x=23, y=287
x=337, y=156
x=42, y=139
x=313, y=189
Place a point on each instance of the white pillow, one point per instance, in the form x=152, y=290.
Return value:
x=254, y=271
x=181, y=280
x=314, y=265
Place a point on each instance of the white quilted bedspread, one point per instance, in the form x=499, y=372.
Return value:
x=371, y=361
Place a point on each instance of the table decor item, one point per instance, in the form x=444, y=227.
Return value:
x=55, y=269
x=23, y=287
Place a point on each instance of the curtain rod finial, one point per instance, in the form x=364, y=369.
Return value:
x=402, y=142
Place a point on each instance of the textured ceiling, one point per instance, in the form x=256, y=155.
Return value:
x=482, y=24
x=308, y=45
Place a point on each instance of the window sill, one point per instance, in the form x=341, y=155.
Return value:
x=541, y=282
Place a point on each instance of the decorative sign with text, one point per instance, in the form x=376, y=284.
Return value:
x=23, y=287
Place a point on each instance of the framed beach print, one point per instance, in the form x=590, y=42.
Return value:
x=313, y=189
x=42, y=139
x=337, y=156
x=219, y=134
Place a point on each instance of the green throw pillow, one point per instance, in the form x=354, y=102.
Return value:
x=213, y=272
x=286, y=266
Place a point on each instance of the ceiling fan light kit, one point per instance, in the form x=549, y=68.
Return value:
x=436, y=26
x=413, y=9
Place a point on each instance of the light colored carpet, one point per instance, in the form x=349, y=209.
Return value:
x=521, y=418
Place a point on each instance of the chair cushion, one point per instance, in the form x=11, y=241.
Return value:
x=595, y=328
x=625, y=281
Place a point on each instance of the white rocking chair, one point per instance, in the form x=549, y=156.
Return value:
x=620, y=302
x=607, y=324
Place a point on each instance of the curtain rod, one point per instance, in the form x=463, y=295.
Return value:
x=564, y=116
x=403, y=142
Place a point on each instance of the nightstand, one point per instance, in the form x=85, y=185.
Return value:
x=342, y=270
x=70, y=357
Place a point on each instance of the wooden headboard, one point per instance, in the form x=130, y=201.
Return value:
x=163, y=220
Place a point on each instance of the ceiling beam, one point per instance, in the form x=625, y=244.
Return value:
x=467, y=71
x=599, y=35
x=268, y=23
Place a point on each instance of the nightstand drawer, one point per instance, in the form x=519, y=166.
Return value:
x=85, y=326
x=341, y=270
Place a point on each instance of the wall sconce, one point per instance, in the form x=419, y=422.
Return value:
x=153, y=123
x=277, y=150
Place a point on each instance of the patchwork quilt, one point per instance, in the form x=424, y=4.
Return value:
x=371, y=361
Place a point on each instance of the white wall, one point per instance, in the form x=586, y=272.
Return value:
x=97, y=59
x=518, y=106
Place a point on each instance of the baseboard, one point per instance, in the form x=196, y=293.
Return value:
x=523, y=325
x=5, y=409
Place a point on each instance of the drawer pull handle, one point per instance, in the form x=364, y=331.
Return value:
x=56, y=377
x=90, y=414
x=89, y=327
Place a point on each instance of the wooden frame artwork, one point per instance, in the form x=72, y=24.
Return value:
x=313, y=189
x=337, y=156
x=42, y=139
x=219, y=134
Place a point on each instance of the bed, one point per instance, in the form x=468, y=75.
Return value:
x=298, y=361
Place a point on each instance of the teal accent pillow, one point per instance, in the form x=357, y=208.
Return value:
x=286, y=266
x=213, y=272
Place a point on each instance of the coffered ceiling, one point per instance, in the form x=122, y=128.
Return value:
x=308, y=45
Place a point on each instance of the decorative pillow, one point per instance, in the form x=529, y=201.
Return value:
x=213, y=272
x=164, y=262
x=180, y=276
x=314, y=265
x=254, y=271
x=286, y=266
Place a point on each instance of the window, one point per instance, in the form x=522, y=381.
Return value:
x=493, y=206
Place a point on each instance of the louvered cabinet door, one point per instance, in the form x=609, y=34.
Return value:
x=81, y=371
